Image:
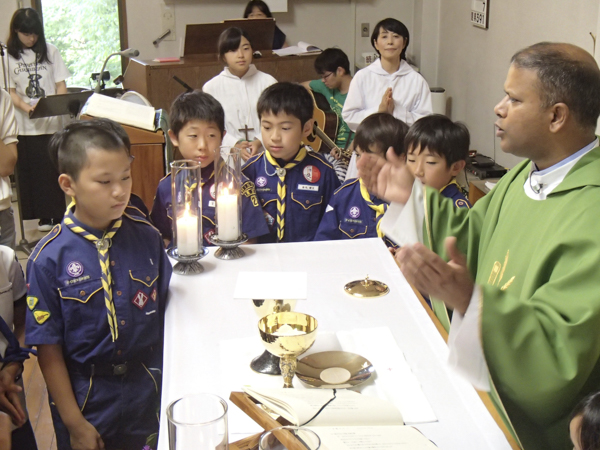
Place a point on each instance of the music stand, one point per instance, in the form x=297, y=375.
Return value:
x=60, y=105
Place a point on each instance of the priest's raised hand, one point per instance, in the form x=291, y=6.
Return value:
x=449, y=281
x=389, y=178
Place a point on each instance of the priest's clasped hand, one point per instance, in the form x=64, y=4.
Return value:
x=449, y=281
x=389, y=179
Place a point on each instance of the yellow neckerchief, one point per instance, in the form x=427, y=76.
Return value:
x=452, y=181
x=379, y=209
x=102, y=244
x=281, y=187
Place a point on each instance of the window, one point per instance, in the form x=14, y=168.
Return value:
x=85, y=33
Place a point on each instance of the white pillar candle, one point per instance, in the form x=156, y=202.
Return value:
x=227, y=216
x=187, y=234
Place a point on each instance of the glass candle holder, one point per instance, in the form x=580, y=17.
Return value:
x=228, y=186
x=186, y=204
x=228, y=193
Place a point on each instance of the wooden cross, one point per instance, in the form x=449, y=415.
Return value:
x=245, y=131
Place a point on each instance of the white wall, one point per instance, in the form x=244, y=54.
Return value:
x=473, y=62
x=307, y=20
x=425, y=38
x=325, y=23
x=7, y=8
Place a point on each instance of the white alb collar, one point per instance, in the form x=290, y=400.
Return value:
x=540, y=183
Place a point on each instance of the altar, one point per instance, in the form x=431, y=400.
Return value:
x=210, y=337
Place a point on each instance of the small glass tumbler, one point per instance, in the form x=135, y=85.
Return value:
x=198, y=422
x=289, y=438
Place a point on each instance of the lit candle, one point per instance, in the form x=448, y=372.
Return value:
x=187, y=234
x=227, y=216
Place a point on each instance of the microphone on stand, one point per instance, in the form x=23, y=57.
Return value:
x=128, y=52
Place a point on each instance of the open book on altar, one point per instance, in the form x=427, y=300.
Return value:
x=343, y=419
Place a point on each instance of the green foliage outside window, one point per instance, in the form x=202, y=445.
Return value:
x=85, y=32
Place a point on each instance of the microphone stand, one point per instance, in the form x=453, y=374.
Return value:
x=4, y=74
x=128, y=53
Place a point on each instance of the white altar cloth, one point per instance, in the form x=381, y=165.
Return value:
x=203, y=320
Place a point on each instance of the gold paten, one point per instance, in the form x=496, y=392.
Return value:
x=366, y=288
x=320, y=369
x=288, y=348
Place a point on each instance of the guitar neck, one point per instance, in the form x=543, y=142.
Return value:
x=346, y=154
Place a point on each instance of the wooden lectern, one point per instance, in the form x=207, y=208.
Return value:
x=155, y=81
x=148, y=167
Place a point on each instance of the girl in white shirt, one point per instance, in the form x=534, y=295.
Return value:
x=35, y=70
x=238, y=88
x=388, y=85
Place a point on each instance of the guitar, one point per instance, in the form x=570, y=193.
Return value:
x=325, y=128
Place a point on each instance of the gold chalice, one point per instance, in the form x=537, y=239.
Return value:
x=288, y=335
x=268, y=363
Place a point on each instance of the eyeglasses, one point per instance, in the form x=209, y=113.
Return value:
x=326, y=75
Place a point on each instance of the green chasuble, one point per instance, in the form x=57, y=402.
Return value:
x=336, y=100
x=538, y=263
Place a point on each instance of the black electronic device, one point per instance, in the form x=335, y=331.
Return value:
x=481, y=161
x=494, y=171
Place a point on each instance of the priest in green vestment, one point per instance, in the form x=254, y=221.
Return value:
x=521, y=269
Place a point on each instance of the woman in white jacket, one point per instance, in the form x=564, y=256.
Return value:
x=238, y=88
x=389, y=84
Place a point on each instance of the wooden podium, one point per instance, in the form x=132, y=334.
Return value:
x=155, y=80
x=148, y=167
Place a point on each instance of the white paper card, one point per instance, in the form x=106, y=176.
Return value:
x=271, y=285
x=394, y=379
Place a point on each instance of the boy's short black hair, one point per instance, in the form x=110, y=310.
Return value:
x=68, y=147
x=230, y=39
x=330, y=59
x=441, y=136
x=589, y=432
x=289, y=98
x=382, y=130
x=196, y=105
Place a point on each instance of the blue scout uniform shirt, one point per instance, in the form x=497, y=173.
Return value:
x=253, y=220
x=66, y=299
x=66, y=307
x=348, y=216
x=452, y=190
x=309, y=186
x=137, y=207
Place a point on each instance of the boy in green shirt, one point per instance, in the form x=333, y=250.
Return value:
x=334, y=68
